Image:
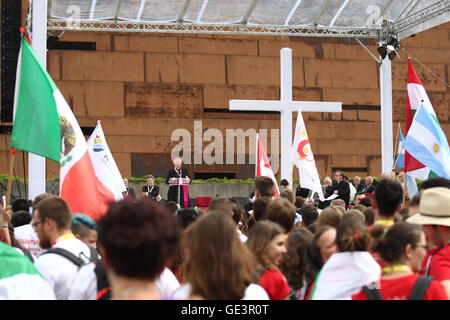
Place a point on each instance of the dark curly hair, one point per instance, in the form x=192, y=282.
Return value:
x=138, y=238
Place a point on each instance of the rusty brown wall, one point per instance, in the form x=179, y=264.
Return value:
x=143, y=87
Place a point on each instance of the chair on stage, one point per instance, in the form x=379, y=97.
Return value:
x=202, y=202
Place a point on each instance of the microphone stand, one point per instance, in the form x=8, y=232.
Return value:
x=53, y=183
x=179, y=188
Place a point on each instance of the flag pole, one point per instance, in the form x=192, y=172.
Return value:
x=396, y=144
x=396, y=150
x=10, y=173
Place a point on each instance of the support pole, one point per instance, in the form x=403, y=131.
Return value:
x=10, y=173
x=286, y=116
x=386, y=115
x=36, y=164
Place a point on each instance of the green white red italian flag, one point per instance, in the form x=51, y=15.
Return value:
x=45, y=125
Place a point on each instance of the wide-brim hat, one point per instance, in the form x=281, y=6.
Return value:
x=434, y=207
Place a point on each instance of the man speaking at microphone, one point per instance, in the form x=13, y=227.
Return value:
x=173, y=176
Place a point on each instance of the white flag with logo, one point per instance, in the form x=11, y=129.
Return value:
x=302, y=156
x=104, y=165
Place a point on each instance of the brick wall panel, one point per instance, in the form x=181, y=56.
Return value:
x=102, y=66
x=162, y=101
x=123, y=161
x=150, y=127
x=272, y=49
x=430, y=82
x=218, y=46
x=348, y=147
x=130, y=144
x=102, y=40
x=370, y=97
x=54, y=64
x=184, y=68
x=340, y=74
x=369, y=115
x=261, y=71
x=375, y=166
x=94, y=98
x=354, y=52
x=355, y=161
x=428, y=39
x=146, y=43
x=430, y=55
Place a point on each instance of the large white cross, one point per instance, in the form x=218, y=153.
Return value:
x=286, y=107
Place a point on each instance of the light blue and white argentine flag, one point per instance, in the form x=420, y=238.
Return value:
x=427, y=143
x=400, y=162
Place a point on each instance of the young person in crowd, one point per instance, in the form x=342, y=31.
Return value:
x=352, y=267
x=85, y=229
x=294, y=264
x=434, y=216
x=403, y=248
x=216, y=264
x=137, y=239
x=51, y=221
x=268, y=243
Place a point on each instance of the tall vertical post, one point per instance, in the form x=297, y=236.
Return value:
x=286, y=115
x=386, y=115
x=36, y=164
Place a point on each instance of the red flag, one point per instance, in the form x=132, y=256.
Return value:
x=411, y=163
x=262, y=165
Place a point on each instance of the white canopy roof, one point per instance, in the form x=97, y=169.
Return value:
x=318, y=18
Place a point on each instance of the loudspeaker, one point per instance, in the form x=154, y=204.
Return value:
x=10, y=19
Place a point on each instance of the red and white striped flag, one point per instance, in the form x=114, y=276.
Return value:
x=416, y=94
x=262, y=165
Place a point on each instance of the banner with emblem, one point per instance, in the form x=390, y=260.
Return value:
x=105, y=167
x=303, y=158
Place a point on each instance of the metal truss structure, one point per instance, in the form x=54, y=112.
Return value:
x=416, y=15
x=267, y=30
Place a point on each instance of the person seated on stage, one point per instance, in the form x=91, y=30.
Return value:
x=284, y=184
x=175, y=173
x=129, y=194
x=151, y=190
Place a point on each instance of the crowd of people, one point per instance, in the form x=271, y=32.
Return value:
x=370, y=242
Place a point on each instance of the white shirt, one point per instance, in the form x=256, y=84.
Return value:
x=59, y=271
x=28, y=239
x=252, y=292
x=85, y=284
x=352, y=192
x=344, y=274
x=242, y=236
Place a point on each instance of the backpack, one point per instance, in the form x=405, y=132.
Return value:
x=103, y=287
x=417, y=292
x=73, y=258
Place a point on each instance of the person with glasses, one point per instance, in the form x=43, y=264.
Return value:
x=26, y=235
x=402, y=249
x=51, y=222
x=434, y=216
x=341, y=188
